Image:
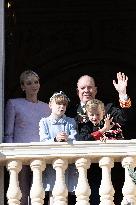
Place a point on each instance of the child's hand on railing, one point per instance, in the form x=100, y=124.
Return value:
x=61, y=137
x=103, y=139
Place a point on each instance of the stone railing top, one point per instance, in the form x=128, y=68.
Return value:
x=91, y=149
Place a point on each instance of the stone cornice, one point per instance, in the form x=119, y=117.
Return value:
x=48, y=151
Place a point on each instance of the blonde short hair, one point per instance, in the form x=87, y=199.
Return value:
x=95, y=104
x=25, y=74
x=60, y=98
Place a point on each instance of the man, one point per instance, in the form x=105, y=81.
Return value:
x=87, y=90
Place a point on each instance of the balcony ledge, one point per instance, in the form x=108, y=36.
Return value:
x=92, y=149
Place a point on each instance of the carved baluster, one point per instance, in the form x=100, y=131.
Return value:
x=37, y=192
x=14, y=193
x=106, y=189
x=129, y=188
x=83, y=190
x=60, y=191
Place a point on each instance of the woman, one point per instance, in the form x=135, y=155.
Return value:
x=22, y=116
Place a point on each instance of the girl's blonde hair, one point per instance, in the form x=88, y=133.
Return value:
x=60, y=98
x=25, y=74
x=95, y=104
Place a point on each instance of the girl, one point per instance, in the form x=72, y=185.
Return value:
x=58, y=128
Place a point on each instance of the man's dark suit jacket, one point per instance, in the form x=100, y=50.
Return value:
x=120, y=115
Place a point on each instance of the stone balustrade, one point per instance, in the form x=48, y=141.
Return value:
x=83, y=154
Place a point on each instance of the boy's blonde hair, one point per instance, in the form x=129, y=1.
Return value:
x=60, y=98
x=95, y=104
x=25, y=74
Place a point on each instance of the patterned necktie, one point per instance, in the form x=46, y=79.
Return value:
x=83, y=108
